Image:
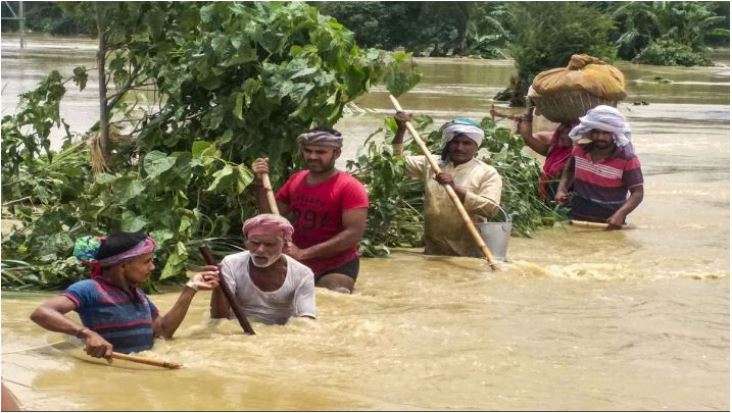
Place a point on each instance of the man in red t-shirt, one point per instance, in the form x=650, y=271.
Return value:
x=327, y=208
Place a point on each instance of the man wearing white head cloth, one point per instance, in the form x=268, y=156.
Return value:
x=327, y=208
x=603, y=170
x=476, y=183
x=270, y=286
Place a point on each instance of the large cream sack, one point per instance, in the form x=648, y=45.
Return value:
x=566, y=93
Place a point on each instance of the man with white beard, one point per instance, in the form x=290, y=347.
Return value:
x=269, y=285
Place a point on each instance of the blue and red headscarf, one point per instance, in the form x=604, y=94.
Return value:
x=86, y=250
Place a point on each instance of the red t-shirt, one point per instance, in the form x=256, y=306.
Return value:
x=318, y=212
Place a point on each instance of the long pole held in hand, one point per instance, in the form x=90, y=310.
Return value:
x=270, y=194
x=238, y=311
x=145, y=360
x=450, y=191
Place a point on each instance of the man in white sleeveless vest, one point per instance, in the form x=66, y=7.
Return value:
x=269, y=285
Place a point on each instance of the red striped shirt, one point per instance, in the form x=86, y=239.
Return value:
x=607, y=181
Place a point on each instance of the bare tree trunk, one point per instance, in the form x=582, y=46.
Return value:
x=461, y=44
x=103, y=112
x=21, y=15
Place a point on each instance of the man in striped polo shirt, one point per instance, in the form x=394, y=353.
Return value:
x=603, y=169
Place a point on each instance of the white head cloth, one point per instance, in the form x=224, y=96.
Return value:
x=462, y=126
x=604, y=118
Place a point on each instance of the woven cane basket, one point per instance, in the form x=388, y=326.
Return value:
x=567, y=106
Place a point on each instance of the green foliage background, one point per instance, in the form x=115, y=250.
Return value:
x=228, y=82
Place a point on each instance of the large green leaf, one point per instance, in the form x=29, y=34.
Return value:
x=238, y=110
x=176, y=261
x=161, y=236
x=132, y=222
x=128, y=188
x=156, y=162
x=222, y=178
x=244, y=177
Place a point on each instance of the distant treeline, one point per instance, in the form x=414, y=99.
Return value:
x=488, y=28
x=537, y=35
x=43, y=17
x=636, y=30
x=541, y=35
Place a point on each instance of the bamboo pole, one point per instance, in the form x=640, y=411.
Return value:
x=145, y=360
x=598, y=225
x=588, y=224
x=270, y=194
x=450, y=191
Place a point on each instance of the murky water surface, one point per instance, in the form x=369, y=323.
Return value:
x=581, y=319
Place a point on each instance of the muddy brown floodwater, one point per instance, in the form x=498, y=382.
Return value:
x=580, y=320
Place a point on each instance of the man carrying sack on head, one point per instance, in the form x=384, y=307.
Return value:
x=555, y=145
x=476, y=183
x=327, y=208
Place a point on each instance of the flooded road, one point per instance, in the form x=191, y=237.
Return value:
x=580, y=320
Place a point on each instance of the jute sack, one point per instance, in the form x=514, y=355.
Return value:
x=564, y=94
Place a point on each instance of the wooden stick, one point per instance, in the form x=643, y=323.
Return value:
x=270, y=194
x=450, y=191
x=145, y=360
x=238, y=311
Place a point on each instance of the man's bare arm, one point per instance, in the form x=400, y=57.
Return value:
x=166, y=325
x=539, y=142
x=219, y=306
x=567, y=178
x=617, y=220
x=50, y=315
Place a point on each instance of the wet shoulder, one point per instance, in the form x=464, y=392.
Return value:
x=483, y=167
x=83, y=290
x=296, y=178
x=347, y=186
x=299, y=270
x=84, y=284
x=626, y=154
x=235, y=259
x=346, y=179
